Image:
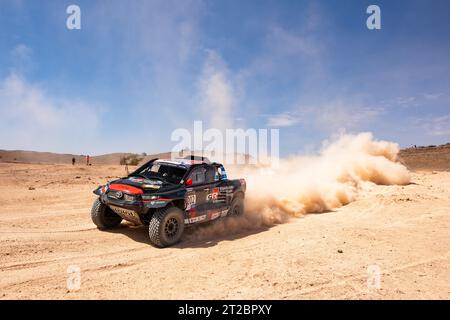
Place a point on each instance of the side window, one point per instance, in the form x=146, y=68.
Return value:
x=198, y=176
x=210, y=174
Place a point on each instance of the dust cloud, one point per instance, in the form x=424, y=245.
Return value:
x=312, y=184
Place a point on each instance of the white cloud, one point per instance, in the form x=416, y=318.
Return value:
x=157, y=56
x=406, y=101
x=21, y=56
x=340, y=114
x=432, y=96
x=437, y=126
x=331, y=116
x=413, y=100
x=161, y=33
x=289, y=43
x=281, y=120
x=31, y=119
x=21, y=52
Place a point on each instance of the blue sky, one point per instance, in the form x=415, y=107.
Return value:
x=137, y=70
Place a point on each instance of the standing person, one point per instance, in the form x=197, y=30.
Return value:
x=73, y=161
x=87, y=160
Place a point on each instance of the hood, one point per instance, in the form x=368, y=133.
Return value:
x=148, y=185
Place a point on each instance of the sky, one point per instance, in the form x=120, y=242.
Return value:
x=138, y=70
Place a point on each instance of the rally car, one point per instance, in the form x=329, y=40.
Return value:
x=167, y=195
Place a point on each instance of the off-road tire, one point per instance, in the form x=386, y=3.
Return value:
x=237, y=206
x=166, y=227
x=103, y=217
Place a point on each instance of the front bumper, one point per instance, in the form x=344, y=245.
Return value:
x=133, y=210
x=127, y=214
x=130, y=211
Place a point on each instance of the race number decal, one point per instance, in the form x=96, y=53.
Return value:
x=190, y=201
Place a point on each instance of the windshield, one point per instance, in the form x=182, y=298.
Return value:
x=163, y=171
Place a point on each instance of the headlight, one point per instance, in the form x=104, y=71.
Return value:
x=128, y=197
x=104, y=188
x=148, y=197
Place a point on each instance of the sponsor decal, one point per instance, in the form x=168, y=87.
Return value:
x=151, y=186
x=154, y=200
x=147, y=183
x=157, y=202
x=217, y=214
x=214, y=215
x=193, y=212
x=226, y=189
x=214, y=195
x=190, y=201
x=195, y=219
x=154, y=182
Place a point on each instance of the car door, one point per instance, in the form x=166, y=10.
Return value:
x=216, y=198
x=196, y=204
x=226, y=189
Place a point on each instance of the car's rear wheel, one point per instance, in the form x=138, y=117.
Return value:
x=103, y=217
x=237, y=206
x=166, y=227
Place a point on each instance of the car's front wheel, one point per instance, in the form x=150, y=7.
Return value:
x=166, y=227
x=103, y=217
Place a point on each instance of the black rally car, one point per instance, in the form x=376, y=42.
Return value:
x=167, y=195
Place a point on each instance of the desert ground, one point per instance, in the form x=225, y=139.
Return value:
x=45, y=227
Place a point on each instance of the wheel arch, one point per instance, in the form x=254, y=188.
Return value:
x=239, y=194
x=178, y=203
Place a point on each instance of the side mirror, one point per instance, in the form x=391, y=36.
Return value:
x=188, y=182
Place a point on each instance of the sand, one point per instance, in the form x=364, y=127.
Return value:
x=402, y=231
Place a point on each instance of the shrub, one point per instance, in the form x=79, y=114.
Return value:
x=132, y=159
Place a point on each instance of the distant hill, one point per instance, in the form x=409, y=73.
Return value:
x=419, y=158
x=21, y=156
x=427, y=158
